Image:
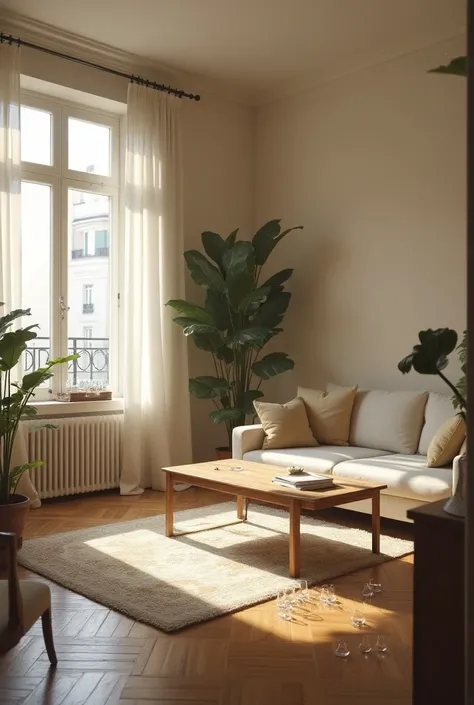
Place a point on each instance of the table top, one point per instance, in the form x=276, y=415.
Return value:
x=257, y=477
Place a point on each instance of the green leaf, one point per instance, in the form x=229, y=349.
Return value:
x=272, y=364
x=16, y=473
x=34, y=379
x=239, y=259
x=6, y=321
x=272, y=312
x=247, y=400
x=218, y=308
x=267, y=238
x=199, y=314
x=214, y=246
x=206, y=387
x=191, y=327
x=254, y=299
x=203, y=272
x=12, y=346
x=210, y=342
x=230, y=241
x=239, y=286
x=225, y=354
x=221, y=415
x=256, y=336
x=431, y=355
x=456, y=67
x=279, y=278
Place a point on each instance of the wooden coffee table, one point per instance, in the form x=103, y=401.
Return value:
x=255, y=482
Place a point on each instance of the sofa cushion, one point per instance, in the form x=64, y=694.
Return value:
x=285, y=425
x=387, y=420
x=439, y=408
x=322, y=459
x=447, y=442
x=329, y=414
x=406, y=476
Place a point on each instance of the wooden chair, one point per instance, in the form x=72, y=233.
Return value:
x=22, y=603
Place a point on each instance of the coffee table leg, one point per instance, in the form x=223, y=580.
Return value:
x=241, y=508
x=376, y=523
x=295, y=512
x=169, y=499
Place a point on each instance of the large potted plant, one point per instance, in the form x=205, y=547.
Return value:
x=431, y=357
x=14, y=406
x=241, y=314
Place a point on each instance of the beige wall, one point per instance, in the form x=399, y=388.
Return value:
x=373, y=165
x=218, y=181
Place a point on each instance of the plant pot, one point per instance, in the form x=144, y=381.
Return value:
x=223, y=453
x=13, y=516
x=456, y=504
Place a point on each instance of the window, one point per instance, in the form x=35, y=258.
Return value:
x=69, y=270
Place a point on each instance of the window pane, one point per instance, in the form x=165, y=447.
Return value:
x=36, y=268
x=89, y=147
x=36, y=143
x=89, y=216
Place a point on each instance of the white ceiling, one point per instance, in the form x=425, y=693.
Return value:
x=262, y=47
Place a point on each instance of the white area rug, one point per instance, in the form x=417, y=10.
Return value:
x=221, y=566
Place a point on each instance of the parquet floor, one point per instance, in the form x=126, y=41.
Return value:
x=250, y=658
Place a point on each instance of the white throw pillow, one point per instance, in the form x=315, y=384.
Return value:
x=388, y=420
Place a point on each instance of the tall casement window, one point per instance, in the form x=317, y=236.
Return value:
x=70, y=238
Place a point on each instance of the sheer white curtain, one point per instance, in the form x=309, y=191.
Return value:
x=157, y=427
x=10, y=207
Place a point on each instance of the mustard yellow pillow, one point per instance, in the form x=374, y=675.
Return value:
x=285, y=425
x=447, y=442
x=329, y=414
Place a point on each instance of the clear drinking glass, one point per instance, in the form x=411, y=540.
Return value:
x=328, y=594
x=381, y=644
x=358, y=618
x=301, y=591
x=284, y=603
x=367, y=591
x=376, y=587
x=341, y=649
x=364, y=645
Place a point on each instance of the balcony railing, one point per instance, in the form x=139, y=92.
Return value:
x=92, y=364
x=82, y=254
x=87, y=308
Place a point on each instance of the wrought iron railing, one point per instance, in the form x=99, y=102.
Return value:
x=91, y=365
x=98, y=252
x=87, y=308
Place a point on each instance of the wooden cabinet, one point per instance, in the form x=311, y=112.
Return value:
x=438, y=607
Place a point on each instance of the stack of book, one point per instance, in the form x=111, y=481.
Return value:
x=304, y=481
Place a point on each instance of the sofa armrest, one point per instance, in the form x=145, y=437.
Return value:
x=246, y=438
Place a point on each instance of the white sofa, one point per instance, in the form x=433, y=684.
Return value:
x=388, y=442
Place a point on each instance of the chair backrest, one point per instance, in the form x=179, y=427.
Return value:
x=14, y=629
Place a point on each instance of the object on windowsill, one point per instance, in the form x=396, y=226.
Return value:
x=83, y=396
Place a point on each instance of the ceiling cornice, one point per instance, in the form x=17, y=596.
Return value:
x=59, y=40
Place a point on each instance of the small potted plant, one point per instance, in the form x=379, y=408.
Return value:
x=241, y=314
x=14, y=406
x=431, y=357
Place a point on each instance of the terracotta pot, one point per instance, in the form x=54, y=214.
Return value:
x=13, y=516
x=223, y=453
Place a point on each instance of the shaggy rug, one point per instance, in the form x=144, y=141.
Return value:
x=215, y=565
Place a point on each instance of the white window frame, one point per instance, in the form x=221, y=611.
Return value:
x=61, y=178
x=88, y=289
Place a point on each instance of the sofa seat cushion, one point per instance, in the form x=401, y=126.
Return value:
x=321, y=459
x=406, y=476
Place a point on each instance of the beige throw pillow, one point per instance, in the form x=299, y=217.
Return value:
x=447, y=442
x=285, y=425
x=329, y=414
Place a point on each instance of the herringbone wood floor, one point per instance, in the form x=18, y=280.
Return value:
x=250, y=658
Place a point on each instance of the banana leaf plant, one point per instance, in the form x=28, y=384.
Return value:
x=14, y=396
x=431, y=357
x=241, y=314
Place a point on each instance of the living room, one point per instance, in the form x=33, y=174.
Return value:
x=334, y=122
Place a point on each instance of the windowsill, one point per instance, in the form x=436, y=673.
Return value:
x=75, y=408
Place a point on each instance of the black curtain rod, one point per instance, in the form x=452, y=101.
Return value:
x=7, y=38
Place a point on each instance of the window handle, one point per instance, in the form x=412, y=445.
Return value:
x=62, y=307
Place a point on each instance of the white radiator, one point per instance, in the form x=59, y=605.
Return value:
x=81, y=455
